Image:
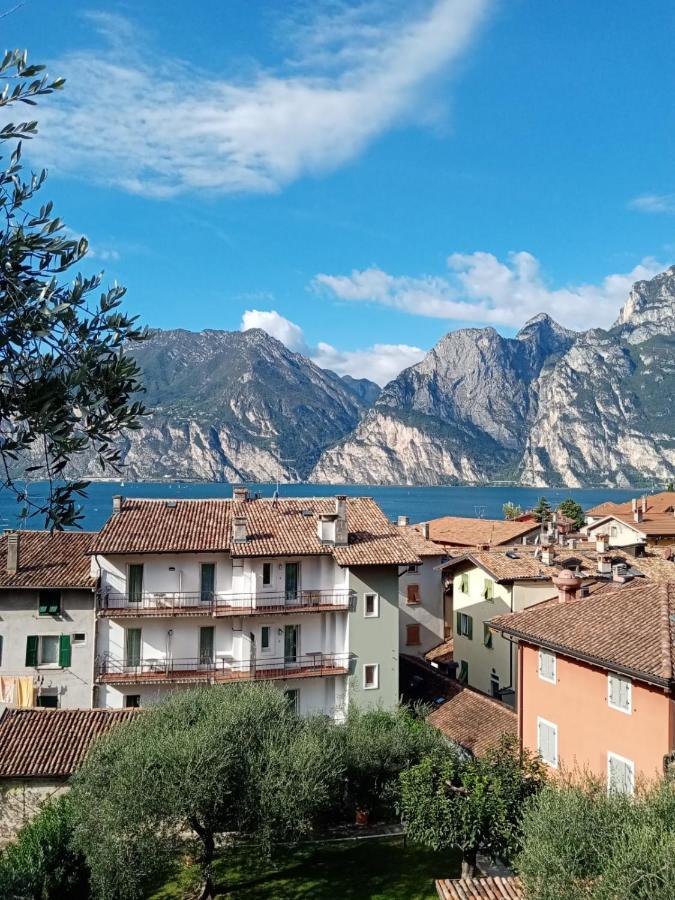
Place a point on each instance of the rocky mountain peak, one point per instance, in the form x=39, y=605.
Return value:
x=649, y=309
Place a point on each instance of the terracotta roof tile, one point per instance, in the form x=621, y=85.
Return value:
x=656, y=503
x=49, y=559
x=465, y=532
x=628, y=629
x=442, y=652
x=490, y=888
x=44, y=743
x=419, y=544
x=286, y=527
x=473, y=720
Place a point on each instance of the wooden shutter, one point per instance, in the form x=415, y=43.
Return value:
x=413, y=593
x=65, y=651
x=32, y=650
x=547, y=743
x=469, y=627
x=412, y=635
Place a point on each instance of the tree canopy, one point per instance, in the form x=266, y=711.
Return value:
x=66, y=384
x=542, y=511
x=512, y=510
x=574, y=511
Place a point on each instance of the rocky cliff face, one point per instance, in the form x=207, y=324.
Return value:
x=235, y=406
x=547, y=407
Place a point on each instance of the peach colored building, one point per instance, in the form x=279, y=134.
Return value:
x=596, y=679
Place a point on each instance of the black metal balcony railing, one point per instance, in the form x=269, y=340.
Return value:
x=193, y=603
x=148, y=671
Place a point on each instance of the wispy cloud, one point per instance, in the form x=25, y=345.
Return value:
x=157, y=126
x=654, y=203
x=379, y=363
x=482, y=289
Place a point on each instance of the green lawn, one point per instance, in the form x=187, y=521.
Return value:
x=377, y=868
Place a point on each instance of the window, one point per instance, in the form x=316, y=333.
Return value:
x=613, y=531
x=132, y=647
x=547, y=667
x=207, y=582
x=371, y=676
x=488, y=589
x=48, y=650
x=494, y=684
x=413, y=593
x=79, y=637
x=48, y=701
x=464, y=582
x=412, y=635
x=267, y=574
x=463, y=674
x=266, y=638
x=293, y=700
x=487, y=636
x=619, y=691
x=135, y=583
x=465, y=625
x=132, y=701
x=206, y=645
x=620, y=774
x=371, y=605
x=547, y=742
x=414, y=569
x=49, y=603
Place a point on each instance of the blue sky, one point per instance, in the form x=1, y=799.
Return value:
x=361, y=177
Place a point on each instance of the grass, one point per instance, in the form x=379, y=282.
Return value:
x=376, y=868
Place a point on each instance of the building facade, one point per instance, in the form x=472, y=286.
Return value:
x=47, y=615
x=421, y=595
x=302, y=592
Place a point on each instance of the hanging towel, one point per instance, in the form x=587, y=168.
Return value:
x=8, y=689
x=25, y=692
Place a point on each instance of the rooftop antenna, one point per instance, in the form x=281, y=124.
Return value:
x=479, y=511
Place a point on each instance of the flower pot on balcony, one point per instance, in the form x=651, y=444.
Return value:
x=362, y=816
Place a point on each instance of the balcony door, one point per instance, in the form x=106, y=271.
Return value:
x=207, y=582
x=291, y=643
x=135, y=583
x=132, y=649
x=206, y=645
x=292, y=580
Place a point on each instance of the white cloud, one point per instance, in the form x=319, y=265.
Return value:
x=157, y=126
x=275, y=324
x=379, y=363
x=654, y=203
x=484, y=290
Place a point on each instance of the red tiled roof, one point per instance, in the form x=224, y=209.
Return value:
x=419, y=544
x=631, y=629
x=473, y=720
x=51, y=743
x=49, y=560
x=441, y=652
x=465, y=532
x=490, y=888
x=656, y=524
x=286, y=527
x=656, y=503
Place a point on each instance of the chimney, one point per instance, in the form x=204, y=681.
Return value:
x=568, y=585
x=604, y=565
x=572, y=543
x=634, y=504
x=424, y=528
x=12, y=552
x=240, y=531
x=620, y=573
x=637, y=515
x=644, y=504
x=404, y=520
x=117, y=504
x=240, y=494
x=341, y=533
x=547, y=555
x=601, y=544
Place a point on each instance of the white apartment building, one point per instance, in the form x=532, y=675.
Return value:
x=421, y=595
x=47, y=614
x=299, y=591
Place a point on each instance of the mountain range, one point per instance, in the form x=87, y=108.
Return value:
x=547, y=407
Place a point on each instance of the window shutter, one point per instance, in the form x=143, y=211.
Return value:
x=413, y=593
x=459, y=623
x=65, y=651
x=32, y=650
x=469, y=627
x=487, y=636
x=487, y=589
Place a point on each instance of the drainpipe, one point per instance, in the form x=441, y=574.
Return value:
x=519, y=696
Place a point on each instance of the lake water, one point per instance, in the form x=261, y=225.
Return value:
x=419, y=503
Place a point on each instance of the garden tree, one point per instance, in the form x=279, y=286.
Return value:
x=511, y=510
x=581, y=843
x=574, y=511
x=66, y=385
x=379, y=745
x=472, y=804
x=42, y=862
x=542, y=511
x=231, y=758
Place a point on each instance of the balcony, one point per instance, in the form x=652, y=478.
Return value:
x=220, y=671
x=181, y=603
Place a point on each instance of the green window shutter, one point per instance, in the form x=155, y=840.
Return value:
x=463, y=672
x=65, y=651
x=487, y=636
x=32, y=650
x=487, y=589
x=459, y=623
x=469, y=630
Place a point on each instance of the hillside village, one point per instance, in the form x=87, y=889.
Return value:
x=558, y=636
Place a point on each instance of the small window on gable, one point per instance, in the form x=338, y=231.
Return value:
x=413, y=594
x=413, y=569
x=547, y=666
x=464, y=582
x=49, y=603
x=371, y=606
x=267, y=574
x=619, y=693
x=412, y=635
